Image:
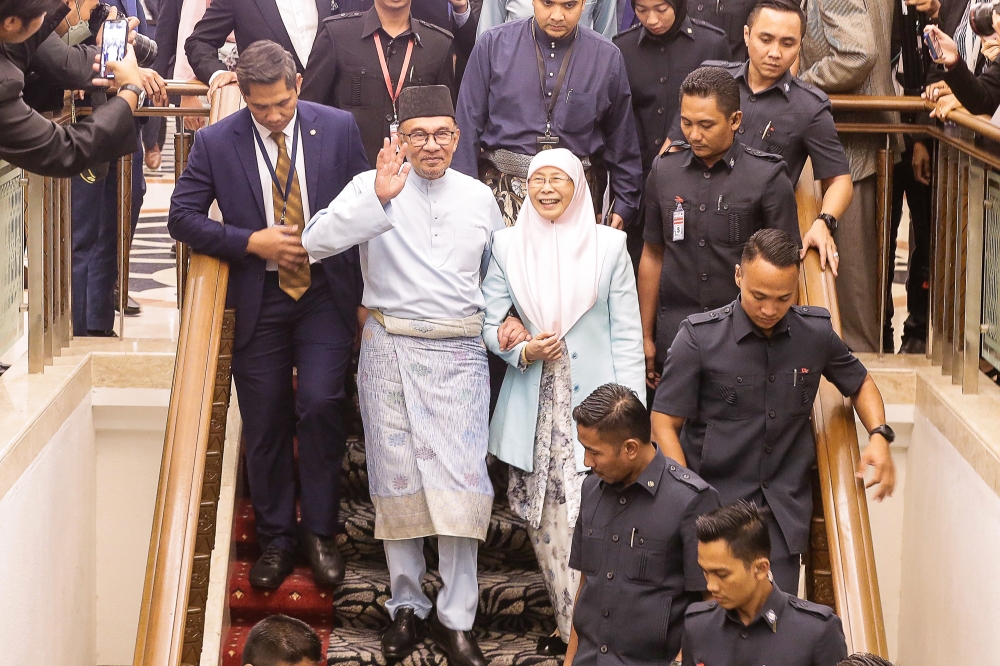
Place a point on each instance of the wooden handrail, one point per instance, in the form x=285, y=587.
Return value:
x=845, y=506
x=163, y=612
x=910, y=104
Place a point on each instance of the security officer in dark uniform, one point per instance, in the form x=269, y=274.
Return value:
x=789, y=117
x=751, y=621
x=737, y=389
x=635, y=541
x=659, y=53
x=702, y=204
x=357, y=66
x=730, y=15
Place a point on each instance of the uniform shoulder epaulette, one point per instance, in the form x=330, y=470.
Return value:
x=701, y=607
x=724, y=64
x=713, y=28
x=337, y=17
x=687, y=477
x=718, y=314
x=627, y=31
x=819, y=610
x=435, y=27
x=812, y=311
x=816, y=92
x=764, y=155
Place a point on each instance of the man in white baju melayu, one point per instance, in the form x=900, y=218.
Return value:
x=425, y=234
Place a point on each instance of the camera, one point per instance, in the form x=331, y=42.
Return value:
x=144, y=47
x=981, y=18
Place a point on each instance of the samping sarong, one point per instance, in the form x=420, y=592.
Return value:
x=425, y=406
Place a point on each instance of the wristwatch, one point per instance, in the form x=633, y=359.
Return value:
x=885, y=431
x=139, y=92
x=831, y=221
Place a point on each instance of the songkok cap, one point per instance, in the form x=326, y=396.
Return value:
x=425, y=102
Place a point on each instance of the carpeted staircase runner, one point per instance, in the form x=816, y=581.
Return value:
x=514, y=609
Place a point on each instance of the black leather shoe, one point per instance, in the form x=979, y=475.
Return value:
x=402, y=635
x=132, y=308
x=272, y=568
x=551, y=646
x=93, y=333
x=913, y=346
x=324, y=559
x=460, y=646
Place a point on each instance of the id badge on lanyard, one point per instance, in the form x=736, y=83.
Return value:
x=679, y=220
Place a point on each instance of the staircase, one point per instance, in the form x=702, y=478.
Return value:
x=514, y=609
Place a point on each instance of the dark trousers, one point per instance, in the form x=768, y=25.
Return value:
x=785, y=566
x=309, y=335
x=918, y=198
x=95, y=245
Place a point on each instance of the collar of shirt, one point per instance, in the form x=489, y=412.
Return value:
x=784, y=82
x=373, y=23
x=424, y=185
x=551, y=43
x=650, y=478
x=287, y=131
x=742, y=326
x=645, y=37
x=769, y=613
x=728, y=160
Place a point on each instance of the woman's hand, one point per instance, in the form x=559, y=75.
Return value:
x=946, y=45
x=991, y=45
x=544, y=347
x=945, y=105
x=936, y=90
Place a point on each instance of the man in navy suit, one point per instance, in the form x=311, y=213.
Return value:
x=269, y=167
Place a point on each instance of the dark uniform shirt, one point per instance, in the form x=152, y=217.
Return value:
x=792, y=118
x=344, y=69
x=502, y=104
x=786, y=632
x=747, y=399
x=638, y=550
x=730, y=15
x=656, y=68
x=744, y=191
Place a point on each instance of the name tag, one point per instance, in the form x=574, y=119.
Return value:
x=679, y=222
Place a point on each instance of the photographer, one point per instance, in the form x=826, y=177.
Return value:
x=978, y=94
x=29, y=140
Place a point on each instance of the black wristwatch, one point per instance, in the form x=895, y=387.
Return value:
x=139, y=92
x=885, y=431
x=831, y=221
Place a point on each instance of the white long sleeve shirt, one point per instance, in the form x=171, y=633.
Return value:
x=423, y=255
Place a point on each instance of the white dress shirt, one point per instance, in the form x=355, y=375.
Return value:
x=424, y=254
x=301, y=20
x=265, y=174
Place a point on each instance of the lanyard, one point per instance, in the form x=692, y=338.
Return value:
x=385, y=71
x=559, y=79
x=270, y=167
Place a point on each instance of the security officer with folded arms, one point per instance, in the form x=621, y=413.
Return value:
x=702, y=204
x=750, y=621
x=737, y=390
x=787, y=116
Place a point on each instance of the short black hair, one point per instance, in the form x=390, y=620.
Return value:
x=864, y=659
x=713, y=82
x=773, y=246
x=778, y=6
x=615, y=412
x=743, y=526
x=26, y=10
x=265, y=62
x=280, y=638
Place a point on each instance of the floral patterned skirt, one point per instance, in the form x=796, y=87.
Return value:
x=549, y=497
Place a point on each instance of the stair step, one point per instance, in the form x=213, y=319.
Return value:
x=298, y=596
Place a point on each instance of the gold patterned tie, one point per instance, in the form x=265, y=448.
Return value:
x=293, y=282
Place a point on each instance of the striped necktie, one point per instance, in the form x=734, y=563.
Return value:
x=293, y=282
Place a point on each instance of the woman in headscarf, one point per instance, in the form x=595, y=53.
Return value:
x=572, y=283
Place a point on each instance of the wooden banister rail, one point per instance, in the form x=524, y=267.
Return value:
x=165, y=597
x=845, y=507
x=960, y=117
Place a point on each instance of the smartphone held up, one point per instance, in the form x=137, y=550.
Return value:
x=113, y=44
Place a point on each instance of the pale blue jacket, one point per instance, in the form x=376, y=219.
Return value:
x=605, y=345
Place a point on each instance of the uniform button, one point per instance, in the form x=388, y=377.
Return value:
x=590, y=532
x=363, y=70
x=715, y=315
x=663, y=49
x=641, y=541
x=573, y=355
x=704, y=277
x=739, y=380
x=393, y=52
x=611, y=575
x=673, y=469
x=622, y=500
x=752, y=98
x=771, y=413
x=741, y=130
x=576, y=388
x=702, y=208
x=766, y=484
x=701, y=8
x=549, y=94
x=707, y=175
x=701, y=243
x=605, y=612
x=805, y=309
x=770, y=343
x=768, y=449
x=552, y=55
x=551, y=74
x=744, y=634
x=388, y=117
x=771, y=378
x=663, y=79
x=687, y=476
x=604, y=649
x=656, y=142
x=660, y=110
x=614, y=538
x=727, y=309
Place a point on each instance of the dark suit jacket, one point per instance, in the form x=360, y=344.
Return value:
x=251, y=20
x=168, y=18
x=222, y=167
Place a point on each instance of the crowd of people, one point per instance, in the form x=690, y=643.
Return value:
x=560, y=233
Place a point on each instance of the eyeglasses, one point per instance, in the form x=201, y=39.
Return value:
x=419, y=139
x=554, y=181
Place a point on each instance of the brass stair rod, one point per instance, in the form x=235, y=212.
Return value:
x=883, y=222
x=124, y=236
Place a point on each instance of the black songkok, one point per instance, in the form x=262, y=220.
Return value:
x=425, y=102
